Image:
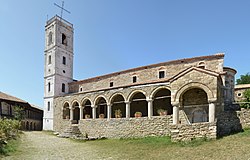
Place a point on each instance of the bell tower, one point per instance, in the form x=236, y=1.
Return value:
x=58, y=66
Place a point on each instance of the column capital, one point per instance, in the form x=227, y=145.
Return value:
x=213, y=100
x=127, y=102
x=149, y=100
x=93, y=106
x=175, y=104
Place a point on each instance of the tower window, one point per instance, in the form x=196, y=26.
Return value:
x=49, y=59
x=64, y=39
x=111, y=84
x=50, y=38
x=49, y=87
x=134, y=79
x=64, y=60
x=161, y=74
x=63, y=87
x=48, y=106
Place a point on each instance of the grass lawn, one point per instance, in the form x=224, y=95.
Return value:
x=45, y=145
x=231, y=147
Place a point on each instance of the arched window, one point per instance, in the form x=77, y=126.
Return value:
x=48, y=106
x=64, y=60
x=49, y=59
x=64, y=39
x=63, y=87
x=50, y=38
x=49, y=87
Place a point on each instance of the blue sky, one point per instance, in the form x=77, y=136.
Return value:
x=113, y=35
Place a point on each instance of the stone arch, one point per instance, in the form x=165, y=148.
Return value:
x=152, y=94
x=138, y=103
x=101, y=106
x=31, y=126
x=130, y=96
x=186, y=87
x=114, y=95
x=98, y=97
x=161, y=97
x=66, y=110
x=76, y=111
x=194, y=102
x=27, y=125
x=118, y=106
x=87, y=109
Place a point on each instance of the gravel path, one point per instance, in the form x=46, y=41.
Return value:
x=43, y=146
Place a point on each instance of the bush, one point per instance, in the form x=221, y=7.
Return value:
x=8, y=130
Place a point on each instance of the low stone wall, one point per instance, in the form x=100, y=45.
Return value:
x=64, y=124
x=188, y=132
x=126, y=127
x=244, y=116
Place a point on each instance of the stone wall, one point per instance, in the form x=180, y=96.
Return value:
x=244, y=116
x=185, y=132
x=126, y=128
x=229, y=122
x=146, y=74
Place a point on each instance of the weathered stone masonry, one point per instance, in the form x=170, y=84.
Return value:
x=189, y=94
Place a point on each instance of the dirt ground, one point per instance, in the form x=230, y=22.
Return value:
x=43, y=146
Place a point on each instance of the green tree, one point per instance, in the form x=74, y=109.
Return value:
x=244, y=79
x=246, y=95
x=19, y=113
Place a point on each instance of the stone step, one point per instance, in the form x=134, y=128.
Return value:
x=71, y=132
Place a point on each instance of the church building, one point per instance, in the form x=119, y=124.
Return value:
x=150, y=100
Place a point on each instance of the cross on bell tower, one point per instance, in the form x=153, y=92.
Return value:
x=62, y=9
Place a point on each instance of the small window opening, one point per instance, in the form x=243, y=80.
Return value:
x=63, y=71
x=201, y=65
x=161, y=74
x=48, y=106
x=49, y=87
x=239, y=94
x=134, y=79
x=63, y=87
x=50, y=38
x=49, y=59
x=64, y=60
x=81, y=89
x=111, y=84
x=64, y=39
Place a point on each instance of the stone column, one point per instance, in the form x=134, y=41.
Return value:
x=150, y=108
x=127, y=109
x=109, y=111
x=71, y=114
x=175, y=113
x=81, y=112
x=211, y=111
x=93, y=111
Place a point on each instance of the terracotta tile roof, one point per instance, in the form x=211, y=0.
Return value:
x=5, y=96
x=185, y=60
